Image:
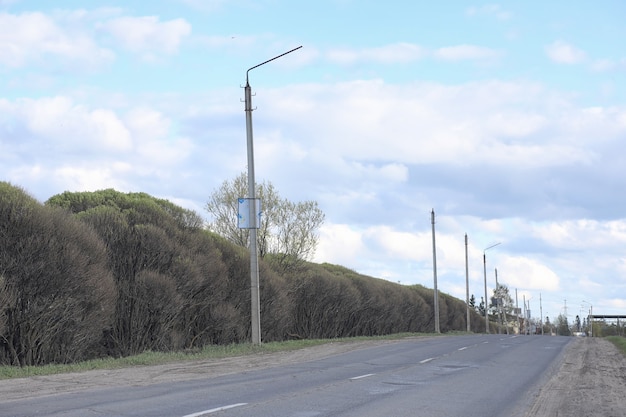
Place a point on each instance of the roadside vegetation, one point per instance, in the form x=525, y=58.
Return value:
x=619, y=342
x=212, y=352
x=91, y=276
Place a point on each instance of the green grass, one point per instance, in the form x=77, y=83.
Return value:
x=618, y=341
x=159, y=358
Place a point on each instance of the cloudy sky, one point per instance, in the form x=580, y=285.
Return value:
x=509, y=120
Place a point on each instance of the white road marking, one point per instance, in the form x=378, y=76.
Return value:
x=427, y=360
x=215, y=410
x=361, y=376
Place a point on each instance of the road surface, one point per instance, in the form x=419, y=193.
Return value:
x=476, y=375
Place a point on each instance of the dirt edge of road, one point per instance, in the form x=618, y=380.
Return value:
x=589, y=381
x=22, y=388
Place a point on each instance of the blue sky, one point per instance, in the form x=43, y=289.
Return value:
x=509, y=119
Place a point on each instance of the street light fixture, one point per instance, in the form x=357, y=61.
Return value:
x=485, y=274
x=252, y=214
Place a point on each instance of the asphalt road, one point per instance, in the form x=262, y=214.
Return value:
x=477, y=375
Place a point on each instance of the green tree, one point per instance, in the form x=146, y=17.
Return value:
x=501, y=302
x=547, y=326
x=562, y=325
x=472, y=302
x=287, y=234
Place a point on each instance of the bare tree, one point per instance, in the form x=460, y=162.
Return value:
x=288, y=230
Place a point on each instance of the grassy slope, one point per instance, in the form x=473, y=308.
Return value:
x=618, y=341
x=158, y=358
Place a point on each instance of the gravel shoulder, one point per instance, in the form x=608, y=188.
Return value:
x=22, y=388
x=590, y=380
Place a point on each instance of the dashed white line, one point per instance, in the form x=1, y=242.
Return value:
x=427, y=360
x=215, y=410
x=361, y=377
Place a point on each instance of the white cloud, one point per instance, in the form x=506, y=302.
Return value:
x=92, y=178
x=147, y=123
x=227, y=41
x=395, y=244
x=494, y=10
x=522, y=272
x=152, y=133
x=581, y=233
x=503, y=123
x=565, y=53
x=338, y=244
x=73, y=127
x=608, y=65
x=147, y=35
x=30, y=38
x=389, y=54
x=205, y=5
x=465, y=52
x=70, y=38
x=57, y=129
x=614, y=304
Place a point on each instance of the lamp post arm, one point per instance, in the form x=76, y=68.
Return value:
x=270, y=60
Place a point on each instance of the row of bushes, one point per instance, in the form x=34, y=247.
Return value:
x=105, y=273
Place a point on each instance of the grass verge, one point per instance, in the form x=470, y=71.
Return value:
x=618, y=341
x=159, y=358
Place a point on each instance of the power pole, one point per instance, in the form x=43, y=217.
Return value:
x=485, y=276
x=467, y=286
x=255, y=309
x=517, y=312
x=436, y=294
x=541, y=314
x=525, y=326
x=497, y=297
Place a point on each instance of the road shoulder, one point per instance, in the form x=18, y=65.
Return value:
x=591, y=381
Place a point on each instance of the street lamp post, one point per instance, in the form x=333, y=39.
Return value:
x=252, y=215
x=590, y=318
x=467, y=297
x=541, y=313
x=485, y=274
x=436, y=293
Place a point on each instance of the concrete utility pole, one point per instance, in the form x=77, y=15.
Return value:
x=485, y=275
x=467, y=299
x=436, y=294
x=541, y=314
x=498, y=302
x=525, y=326
x=519, y=330
x=253, y=224
x=590, y=318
